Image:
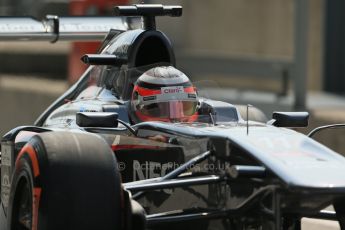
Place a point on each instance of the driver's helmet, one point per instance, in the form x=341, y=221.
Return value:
x=164, y=94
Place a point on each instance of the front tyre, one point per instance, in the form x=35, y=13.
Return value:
x=65, y=180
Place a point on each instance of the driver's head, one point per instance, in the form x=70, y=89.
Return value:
x=164, y=94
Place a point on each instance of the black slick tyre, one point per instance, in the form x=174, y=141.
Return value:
x=65, y=180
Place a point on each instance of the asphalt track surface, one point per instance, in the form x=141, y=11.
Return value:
x=314, y=224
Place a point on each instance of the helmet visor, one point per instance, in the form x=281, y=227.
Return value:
x=170, y=109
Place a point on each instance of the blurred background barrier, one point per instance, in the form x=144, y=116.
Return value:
x=23, y=99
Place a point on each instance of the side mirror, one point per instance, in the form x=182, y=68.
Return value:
x=289, y=119
x=97, y=119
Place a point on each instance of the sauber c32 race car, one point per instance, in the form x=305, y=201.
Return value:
x=85, y=163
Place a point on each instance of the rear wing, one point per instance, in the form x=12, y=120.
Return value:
x=54, y=28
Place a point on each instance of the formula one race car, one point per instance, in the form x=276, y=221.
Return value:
x=135, y=145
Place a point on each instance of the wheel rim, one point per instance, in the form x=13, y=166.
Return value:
x=22, y=206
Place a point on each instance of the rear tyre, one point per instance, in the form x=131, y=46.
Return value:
x=66, y=180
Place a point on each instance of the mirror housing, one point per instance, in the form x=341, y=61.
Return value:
x=103, y=59
x=97, y=119
x=289, y=119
